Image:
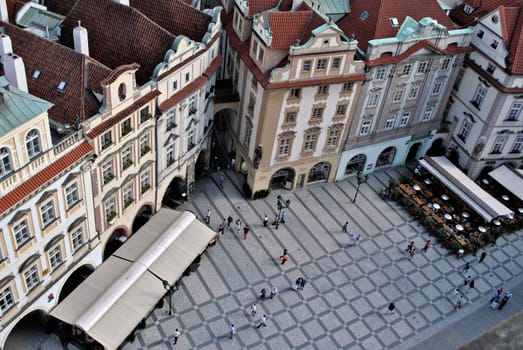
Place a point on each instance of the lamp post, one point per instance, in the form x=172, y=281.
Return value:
x=170, y=290
x=281, y=204
x=361, y=180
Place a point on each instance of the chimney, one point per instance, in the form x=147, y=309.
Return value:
x=297, y=3
x=123, y=2
x=81, y=41
x=15, y=71
x=6, y=46
x=4, y=16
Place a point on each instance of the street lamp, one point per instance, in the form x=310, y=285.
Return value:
x=170, y=290
x=361, y=180
x=281, y=205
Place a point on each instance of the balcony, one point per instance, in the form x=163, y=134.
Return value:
x=128, y=202
x=127, y=164
x=108, y=178
x=145, y=150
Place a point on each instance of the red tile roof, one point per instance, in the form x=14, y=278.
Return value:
x=57, y=63
x=512, y=27
x=376, y=24
x=13, y=6
x=119, y=35
x=176, y=17
x=488, y=77
x=40, y=179
x=287, y=27
x=257, y=6
x=192, y=86
x=61, y=7
x=107, y=124
x=481, y=8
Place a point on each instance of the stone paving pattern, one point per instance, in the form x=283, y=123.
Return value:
x=344, y=304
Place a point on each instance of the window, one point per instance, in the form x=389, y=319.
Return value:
x=422, y=67
x=190, y=139
x=494, y=44
x=336, y=62
x=406, y=69
x=126, y=126
x=518, y=145
x=261, y=53
x=187, y=76
x=380, y=74
x=107, y=172
x=323, y=89
x=62, y=85
x=122, y=91
x=310, y=143
x=5, y=161
x=290, y=117
x=284, y=147
x=145, y=145
x=333, y=138
x=77, y=238
x=498, y=145
x=389, y=124
x=21, y=232
x=465, y=131
x=32, y=143
x=36, y=74
x=365, y=127
x=175, y=85
x=373, y=100
x=404, y=121
x=398, y=95
x=459, y=78
x=317, y=113
x=6, y=299
x=110, y=209
x=47, y=213
x=322, y=63
x=480, y=34
x=55, y=257
x=71, y=195
x=145, y=115
x=106, y=140
x=254, y=47
x=169, y=154
x=515, y=110
x=127, y=158
x=479, y=96
x=306, y=66
x=31, y=277
x=446, y=63
x=341, y=110
x=491, y=68
x=145, y=181
x=413, y=92
x=437, y=88
x=468, y=9
x=427, y=115
x=347, y=86
x=247, y=137
x=295, y=93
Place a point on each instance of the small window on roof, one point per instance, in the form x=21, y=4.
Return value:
x=364, y=15
x=62, y=85
x=394, y=21
x=36, y=74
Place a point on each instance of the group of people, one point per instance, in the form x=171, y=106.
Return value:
x=353, y=239
x=499, y=300
x=411, y=248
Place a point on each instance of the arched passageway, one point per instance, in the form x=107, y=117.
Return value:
x=283, y=178
x=355, y=164
x=319, y=173
x=386, y=157
x=117, y=239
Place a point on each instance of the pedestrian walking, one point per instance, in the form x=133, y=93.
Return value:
x=263, y=319
x=458, y=303
x=426, y=246
x=208, y=216
x=263, y=293
x=274, y=291
x=467, y=280
x=253, y=310
x=466, y=268
x=222, y=180
x=482, y=257
x=409, y=247
x=457, y=293
x=176, y=334
x=412, y=251
x=471, y=285
x=238, y=226
x=246, y=229
x=345, y=227
x=495, y=295
x=229, y=222
x=505, y=299
x=283, y=217
x=221, y=229
x=391, y=307
x=494, y=303
x=276, y=220
x=284, y=258
x=232, y=331
x=265, y=220
x=285, y=251
x=352, y=239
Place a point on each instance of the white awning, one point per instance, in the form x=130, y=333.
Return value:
x=509, y=178
x=124, y=289
x=466, y=189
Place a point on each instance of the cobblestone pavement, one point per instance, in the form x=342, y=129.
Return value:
x=344, y=305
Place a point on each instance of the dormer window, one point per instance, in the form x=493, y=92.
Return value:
x=394, y=22
x=62, y=85
x=468, y=9
x=364, y=15
x=122, y=91
x=36, y=74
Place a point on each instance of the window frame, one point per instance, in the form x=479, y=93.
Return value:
x=7, y=300
x=106, y=139
x=499, y=144
x=365, y=127
x=31, y=277
x=404, y=121
x=517, y=145
x=6, y=162
x=21, y=231
x=321, y=64
x=47, y=213
x=514, y=111
x=72, y=198
x=33, y=144
x=464, y=131
x=56, y=257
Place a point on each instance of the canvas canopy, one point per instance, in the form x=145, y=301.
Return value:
x=509, y=178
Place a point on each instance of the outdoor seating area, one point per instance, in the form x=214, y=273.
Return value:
x=454, y=222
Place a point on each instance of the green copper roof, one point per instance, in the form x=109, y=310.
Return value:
x=41, y=22
x=18, y=107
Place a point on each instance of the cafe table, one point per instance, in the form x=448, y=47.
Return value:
x=482, y=229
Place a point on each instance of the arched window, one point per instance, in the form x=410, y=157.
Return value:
x=32, y=143
x=5, y=161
